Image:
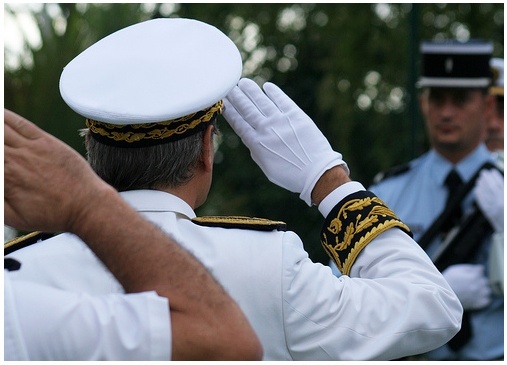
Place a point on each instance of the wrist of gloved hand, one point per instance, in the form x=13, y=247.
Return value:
x=314, y=177
x=469, y=284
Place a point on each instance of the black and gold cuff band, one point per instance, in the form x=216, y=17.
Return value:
x=353, y=224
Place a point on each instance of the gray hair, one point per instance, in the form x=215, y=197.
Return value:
x=166, y=165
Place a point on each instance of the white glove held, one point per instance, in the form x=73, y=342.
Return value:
x=470, y=285
x=285, y=143
x=488, y=193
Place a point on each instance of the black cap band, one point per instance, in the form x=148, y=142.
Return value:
x=456, y=64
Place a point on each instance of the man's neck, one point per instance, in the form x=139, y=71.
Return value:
x=194, y=192
x=454, y=155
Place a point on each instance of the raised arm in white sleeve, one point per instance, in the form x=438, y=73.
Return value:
x=391, y=301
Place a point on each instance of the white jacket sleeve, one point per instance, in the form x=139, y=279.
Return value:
x=44, y=323
x=393, y=303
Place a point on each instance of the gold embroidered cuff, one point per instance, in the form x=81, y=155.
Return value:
x=352, y=224
x=149, y=134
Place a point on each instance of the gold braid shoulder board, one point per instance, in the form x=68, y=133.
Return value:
x=353, y=224
x=252, y=223
x=25, y=241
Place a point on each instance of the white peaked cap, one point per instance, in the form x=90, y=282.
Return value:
x=153, y=71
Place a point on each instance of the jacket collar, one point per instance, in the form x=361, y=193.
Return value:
x=466, y=168
x=157, y=201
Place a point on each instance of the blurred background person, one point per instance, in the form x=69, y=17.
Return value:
x=432, y=193
x=495, y=124
x=489, y=191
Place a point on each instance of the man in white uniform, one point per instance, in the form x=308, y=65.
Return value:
x=150, y=94
x=42, y=322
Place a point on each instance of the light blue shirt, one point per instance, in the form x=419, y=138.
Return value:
x=418, y=196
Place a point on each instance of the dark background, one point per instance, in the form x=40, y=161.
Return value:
x=351, y=67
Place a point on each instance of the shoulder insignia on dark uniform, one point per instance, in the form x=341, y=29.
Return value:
x=256, y=224
x=25, y=241
x=393, y=171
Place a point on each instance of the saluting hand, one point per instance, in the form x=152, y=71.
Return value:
x=284, y=141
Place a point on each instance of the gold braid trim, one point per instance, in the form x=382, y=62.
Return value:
x=253, y=223
x=153, y=131
x=353, y=224
x=18, y=243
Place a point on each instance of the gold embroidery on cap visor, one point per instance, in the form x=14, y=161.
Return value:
x=353, y=224
x=147, y=134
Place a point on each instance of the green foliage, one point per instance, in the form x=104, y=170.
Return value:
x=351, y=67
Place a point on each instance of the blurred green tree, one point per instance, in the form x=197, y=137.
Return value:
x=351, y=67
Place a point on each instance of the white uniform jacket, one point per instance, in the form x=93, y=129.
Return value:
x=45, y=323
x=393, y=304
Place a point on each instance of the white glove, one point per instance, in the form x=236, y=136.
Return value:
x=488, y=193
x=285, y=143
x=470, y=285
x=496, y=263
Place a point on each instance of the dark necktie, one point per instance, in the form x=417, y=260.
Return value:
x=453, y=184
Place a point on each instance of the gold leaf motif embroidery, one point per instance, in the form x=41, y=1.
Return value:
x=357, y=222
x=154, y=131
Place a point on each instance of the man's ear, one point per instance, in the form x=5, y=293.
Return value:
x=423, y=102
x=208, y=148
